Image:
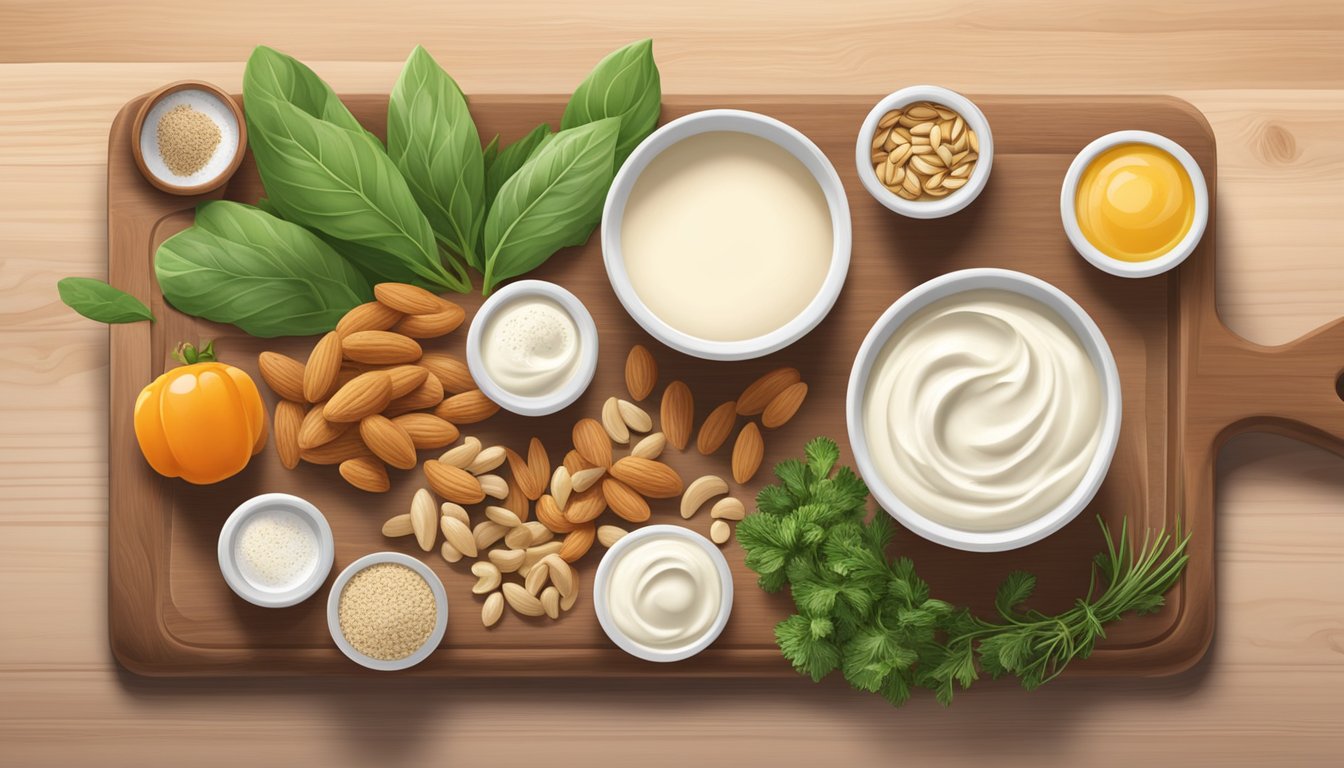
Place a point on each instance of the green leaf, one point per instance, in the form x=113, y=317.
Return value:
x=99, y=301
x=510, y=159
x=552, y=202
x=821, y=453
x=814, y=657
x=433, y=142
x=625, y=85
x=1015, y=590
x=269, y=277
x=321, y=173
x=489, y=153
x=273, y=75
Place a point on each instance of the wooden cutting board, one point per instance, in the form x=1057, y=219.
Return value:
x=1188, y=385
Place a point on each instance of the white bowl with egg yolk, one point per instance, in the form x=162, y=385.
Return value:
x=752, y=235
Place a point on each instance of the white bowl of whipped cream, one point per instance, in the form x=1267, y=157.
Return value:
x=984, y=409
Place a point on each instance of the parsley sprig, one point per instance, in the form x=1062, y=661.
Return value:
x=873, y=619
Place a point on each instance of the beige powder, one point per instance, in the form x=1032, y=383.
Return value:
x=387, y=611
x=187, y=139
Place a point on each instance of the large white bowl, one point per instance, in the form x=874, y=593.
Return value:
x=1098, y=351
x=603, y=610
x=1069, y=214
x=440, y=614
x=926, y=209
x=737, y=121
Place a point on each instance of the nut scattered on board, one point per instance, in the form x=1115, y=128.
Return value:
x=651, y=447
x=425, y=519
x=324, y=363
x=493, y=486
x=487, y=576
x=550, y=602
x=641, y=372
x=720, y=532
x=468, y=407
x=760, y=392
x=729, y=508
x=924, y=151
x=370, y=316
x=487, y=533
x=653, y=479
x=463, y=455
x=365, y=473
x=492, y=609
x=624, y=501
x=457, y=533
x=677, y=414
x=717, y=427
x=487, y=460
x=397, y=526
x=577, y=542
x=748, y=452
x=522, y=601
x=636, y=418
x=701, y=490
x=283, y=374
x=455, y=511
x=453, y=484
x=592, y=442
x=586, y=478
x=608, y=535
x=561, y=485
x=612, y=422
x=286, y=424
x=784, y=406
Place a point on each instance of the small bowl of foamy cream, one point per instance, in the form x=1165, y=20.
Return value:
x=275, y=550
x=532, y=348
x=984, y=409
x=726, y=235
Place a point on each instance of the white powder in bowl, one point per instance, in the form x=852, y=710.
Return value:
x=276, y=550
x=207, y=104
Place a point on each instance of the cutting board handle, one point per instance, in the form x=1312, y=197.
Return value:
x=1293, y=389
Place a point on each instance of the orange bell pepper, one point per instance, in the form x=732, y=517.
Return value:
x=202, y=421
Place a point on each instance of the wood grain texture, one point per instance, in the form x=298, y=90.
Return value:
x=172, y=615
x=1270, y=692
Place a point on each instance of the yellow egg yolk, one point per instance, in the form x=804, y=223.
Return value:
x=1135, y=202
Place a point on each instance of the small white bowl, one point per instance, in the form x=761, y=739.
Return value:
x=258, y=595
x=1182, y=250
x=568, y=392
x=926, y=209
x=603, y=611
x=440, y=613
x=753, y=124
x=1098, y=351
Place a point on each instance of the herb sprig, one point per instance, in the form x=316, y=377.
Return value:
x=872, y=617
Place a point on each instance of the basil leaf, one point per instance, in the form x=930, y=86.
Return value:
x=267, y=276
x=510, y=159
x=490, y=152
x=625, y=84
x=274, y=75
x=553, y=201
x=432, y=140
x=99, y=301
x=340, y=183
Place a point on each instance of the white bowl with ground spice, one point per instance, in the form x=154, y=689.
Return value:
x=925, y=152
x=387, y=611
x=189, y=137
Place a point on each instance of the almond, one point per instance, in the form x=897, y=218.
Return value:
x=431, y=325
x=449, y=509
x=371, y=316
x=641, y=372
x=347, y=446
x=516, y=502
x=487, y=533
x=365, y=473
x=612, y=422
x=283, y=374
x=457, y=533
x=425, y=519
x=550, y=601
x=451, y=372
x=678, y=414
x=493, y=486
x=428, y=395
x=717, y=427
x=653, y=479
x=522, y=601
x=561, y=573
x=748, y=451
x=592, y=442
x=720, y=532
x=728, y=508
x=522, y=476
x=760, y=392
x=316, y=430
x=577, y=542
x=608, y=535
x=623, y=500
x=463, y=455
x=539, y=464
x=467, y=408
x=379, y=348
x=784, y=406
x=650, y=447
x=398, y=526
x=388, y=441
x=426, y=430
x=487, y=577
x=455, y=485
x=406, y=379
x=574, y=462
x=534, y=555
x=492, y=610
x=561, y=485
x=701, y=490
x=319, y=375
x=288, y=420
x=586, y=478
x=502, y=516
x=636, y=418
x=549, y=515
x=487, y=460
x=536, y=579
x=507, y=560
x=410, y=299
x=366, y=394
x=450, y=553
x=585, y=506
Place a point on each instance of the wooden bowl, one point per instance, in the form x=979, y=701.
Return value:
x=215, y=182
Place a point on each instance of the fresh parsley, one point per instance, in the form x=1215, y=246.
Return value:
x=873, y=619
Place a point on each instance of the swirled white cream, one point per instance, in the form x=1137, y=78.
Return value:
x=664, y=592
x=530, y=346
x=983, y=411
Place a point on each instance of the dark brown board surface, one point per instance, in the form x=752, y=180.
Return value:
x=1187, y=385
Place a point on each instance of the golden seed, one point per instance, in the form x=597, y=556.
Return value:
x=951, y=183
x=889, y=119
x=935, y=137
x=880, y=138
x=945, y=155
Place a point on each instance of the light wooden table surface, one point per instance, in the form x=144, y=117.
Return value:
x=1270, y=78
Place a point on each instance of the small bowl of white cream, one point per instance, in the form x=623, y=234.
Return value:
x=984, y=409
x=663, y=593
x=532, y=348
x=275, y=550
x=726, y=235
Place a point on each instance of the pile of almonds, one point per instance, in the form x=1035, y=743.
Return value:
x=924, y=151
x=368, y=396
x=526, y=564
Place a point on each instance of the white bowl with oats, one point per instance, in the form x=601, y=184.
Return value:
x=387, y=611
x=924, y=152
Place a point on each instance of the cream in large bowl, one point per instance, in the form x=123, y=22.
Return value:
x=984, y=409
x=726, y=235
